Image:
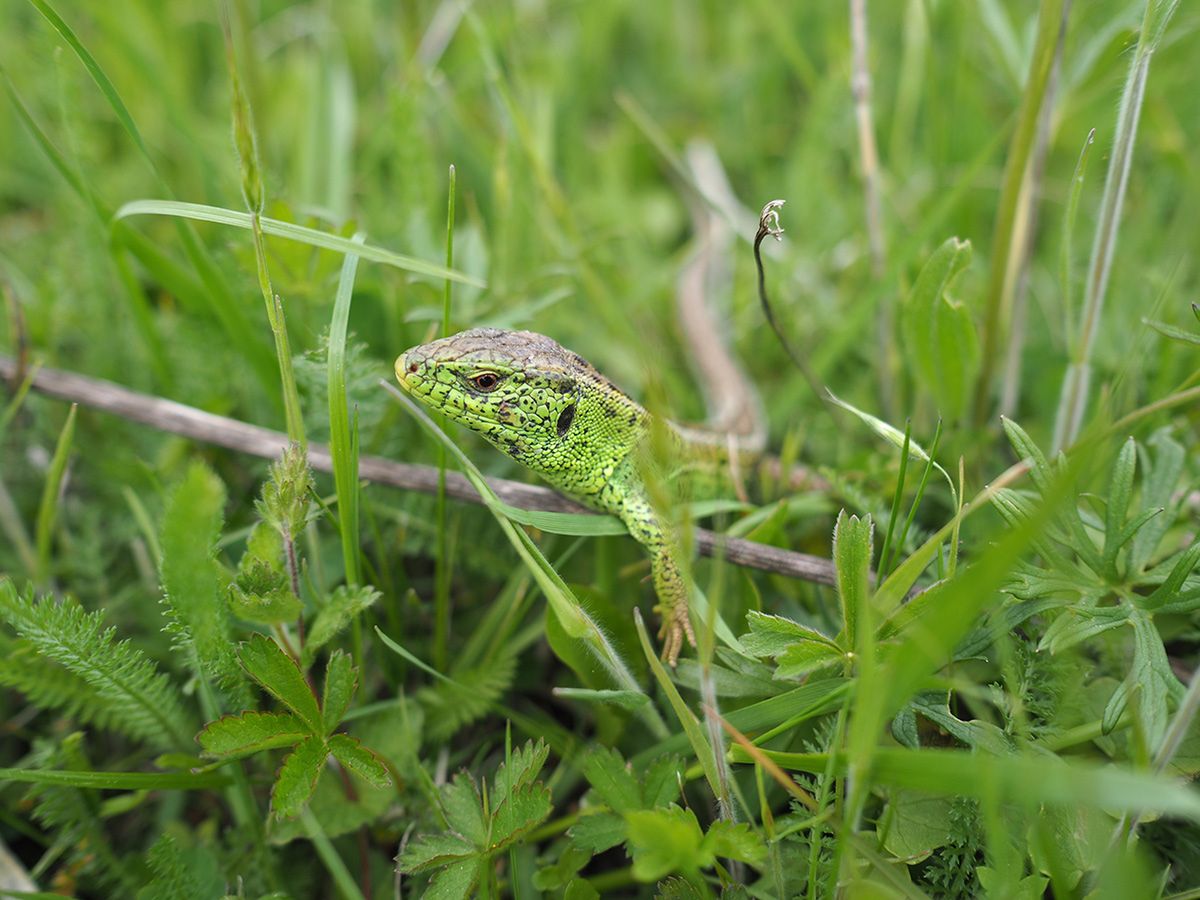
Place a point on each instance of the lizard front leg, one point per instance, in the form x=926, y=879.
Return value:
x=652, y=532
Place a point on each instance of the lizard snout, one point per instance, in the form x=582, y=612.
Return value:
x=408, y=363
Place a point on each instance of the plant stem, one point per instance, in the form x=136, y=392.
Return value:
x=1076, y=383
x=442, y=572
x=998, y=302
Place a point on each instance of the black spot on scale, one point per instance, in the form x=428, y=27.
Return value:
x=633, y=418
x=565, y=418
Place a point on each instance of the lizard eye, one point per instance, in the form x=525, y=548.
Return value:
x=486, y=381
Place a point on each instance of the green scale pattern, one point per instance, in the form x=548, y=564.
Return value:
x=552, y=411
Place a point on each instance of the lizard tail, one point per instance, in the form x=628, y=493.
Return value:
x=734, y=409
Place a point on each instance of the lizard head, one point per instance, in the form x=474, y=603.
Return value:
x=518, y=389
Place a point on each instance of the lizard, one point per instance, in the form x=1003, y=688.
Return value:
x=551, y=410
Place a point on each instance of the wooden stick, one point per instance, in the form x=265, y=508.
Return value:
x=208, y=428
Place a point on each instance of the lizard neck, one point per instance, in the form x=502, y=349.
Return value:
x=586, y=460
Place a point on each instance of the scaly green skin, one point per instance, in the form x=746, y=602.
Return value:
x=550, y=410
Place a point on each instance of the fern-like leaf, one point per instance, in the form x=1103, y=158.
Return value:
x=141, y=698
x=195, y=604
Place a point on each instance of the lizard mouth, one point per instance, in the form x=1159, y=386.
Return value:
x=406, y=364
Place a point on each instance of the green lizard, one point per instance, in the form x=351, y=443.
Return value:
x=552, y=411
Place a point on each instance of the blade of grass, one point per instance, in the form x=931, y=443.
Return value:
x=48, y=508
x=343, y=437
x=687, y=719
x=1077, y=381
x=441, y=575
x=998, y=298
x=117, y=781
x=289, y=231
x=254, y=195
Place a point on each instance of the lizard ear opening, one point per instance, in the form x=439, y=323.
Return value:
x=565, y=418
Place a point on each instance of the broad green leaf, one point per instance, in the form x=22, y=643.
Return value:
x=523, y=809
x=251, y=732
x=278, y=674
x=343, y=605
x=598, y=832
x=356, y=758
x=852, y=550
x=340, y=681
x=662, y=841
x=939, y=337
x=292, y=232
x=612, y=780
x=297, y=777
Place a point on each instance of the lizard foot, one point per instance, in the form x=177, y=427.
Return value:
x=675, y=627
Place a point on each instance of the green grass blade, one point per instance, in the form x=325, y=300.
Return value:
x=117, y=781
x=200, y=212
x=342, y=444
x=48, y=508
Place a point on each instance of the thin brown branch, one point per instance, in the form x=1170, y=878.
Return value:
x=186, y=421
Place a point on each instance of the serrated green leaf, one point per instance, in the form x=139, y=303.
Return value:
x=192, y=592
x=598, y=832
x=735, y=840
x=852, y=551
x=340, y=682
x=297, y=777
x=278, y=674
x=662, y=841
x=432, y=850
x=771, y=635
x=801, y=658
x=463, y=808
x=251, y=732
x=343, y=606
x=525, y=808
x=269, y=605
x=1025, y=448
x=455, y=882
x=662, y=782
x=358, y=759
x=520, y=770
x=612, y=780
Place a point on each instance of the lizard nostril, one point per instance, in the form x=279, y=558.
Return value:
x=412, y=367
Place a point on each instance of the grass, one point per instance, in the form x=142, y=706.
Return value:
x=395, y=693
